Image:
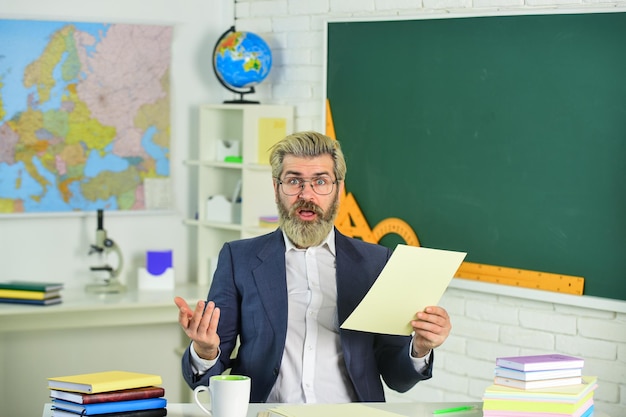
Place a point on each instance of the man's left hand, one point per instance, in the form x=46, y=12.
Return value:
x=432, y=327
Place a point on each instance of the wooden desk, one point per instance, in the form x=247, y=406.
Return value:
x=404, y=409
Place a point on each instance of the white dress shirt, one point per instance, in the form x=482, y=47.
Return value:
x=312, y=368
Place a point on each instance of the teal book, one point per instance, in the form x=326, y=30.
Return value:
x=31, y=286
x=109, y=407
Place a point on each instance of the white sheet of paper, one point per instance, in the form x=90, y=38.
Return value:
x=413, y=279
x=331, y=410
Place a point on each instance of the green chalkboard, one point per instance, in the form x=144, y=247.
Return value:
x=501, y=136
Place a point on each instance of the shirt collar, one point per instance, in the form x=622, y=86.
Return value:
x=329, y=242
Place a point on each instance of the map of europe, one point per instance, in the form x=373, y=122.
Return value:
x=84, y=116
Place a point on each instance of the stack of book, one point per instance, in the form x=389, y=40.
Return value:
x=108, y=393
x=30, y=292
x=540, y=386
x=539, y=371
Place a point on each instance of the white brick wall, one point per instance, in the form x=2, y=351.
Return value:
x=485, y=325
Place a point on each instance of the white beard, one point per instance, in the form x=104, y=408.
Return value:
x=305, y=234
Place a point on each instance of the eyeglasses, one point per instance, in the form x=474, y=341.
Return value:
x=293, y=185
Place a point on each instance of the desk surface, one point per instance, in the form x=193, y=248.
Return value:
x=404, y=409
x=80, y=309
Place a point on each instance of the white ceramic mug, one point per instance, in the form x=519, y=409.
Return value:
x=230, y=395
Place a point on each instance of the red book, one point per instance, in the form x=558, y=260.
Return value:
x=110, y=396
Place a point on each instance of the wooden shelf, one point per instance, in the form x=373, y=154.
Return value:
x=255, y=128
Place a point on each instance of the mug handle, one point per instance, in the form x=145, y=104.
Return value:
x=198, y=390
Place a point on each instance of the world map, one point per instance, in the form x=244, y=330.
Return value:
x=84, y=116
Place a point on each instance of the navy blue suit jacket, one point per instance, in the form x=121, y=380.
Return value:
x=249, y=286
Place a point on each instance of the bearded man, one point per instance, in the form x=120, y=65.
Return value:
x=281, y=298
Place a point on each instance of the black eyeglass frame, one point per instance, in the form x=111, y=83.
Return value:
x=310, y=181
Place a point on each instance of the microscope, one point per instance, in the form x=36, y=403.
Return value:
x=103, y=247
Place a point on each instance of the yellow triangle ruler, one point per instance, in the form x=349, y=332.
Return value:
x=350, y=220
x=521, y=278
x=330, y=126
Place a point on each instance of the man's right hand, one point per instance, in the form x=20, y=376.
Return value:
x=200, y=325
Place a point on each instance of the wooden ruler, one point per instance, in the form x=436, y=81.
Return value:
x=521, y=278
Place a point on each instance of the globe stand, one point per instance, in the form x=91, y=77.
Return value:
x=241, y=92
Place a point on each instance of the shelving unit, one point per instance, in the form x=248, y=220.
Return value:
x=256, y=127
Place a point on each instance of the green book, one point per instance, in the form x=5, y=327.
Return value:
x=31, y=286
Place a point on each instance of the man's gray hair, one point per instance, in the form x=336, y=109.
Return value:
x=307, y=144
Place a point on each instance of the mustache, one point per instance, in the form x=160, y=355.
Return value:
x=306, y=205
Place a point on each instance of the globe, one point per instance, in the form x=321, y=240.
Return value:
x=241, y=60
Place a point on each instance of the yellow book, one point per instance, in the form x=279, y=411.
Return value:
x=271, y=130
x=28, y=295
x=568, y=393
x=533, y=406
x=103, y=381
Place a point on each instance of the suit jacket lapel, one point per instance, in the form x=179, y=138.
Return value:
x=351, y=288
x=351, y=285
x=270, y=278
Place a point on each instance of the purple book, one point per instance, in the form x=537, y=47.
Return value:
x=540, y=362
